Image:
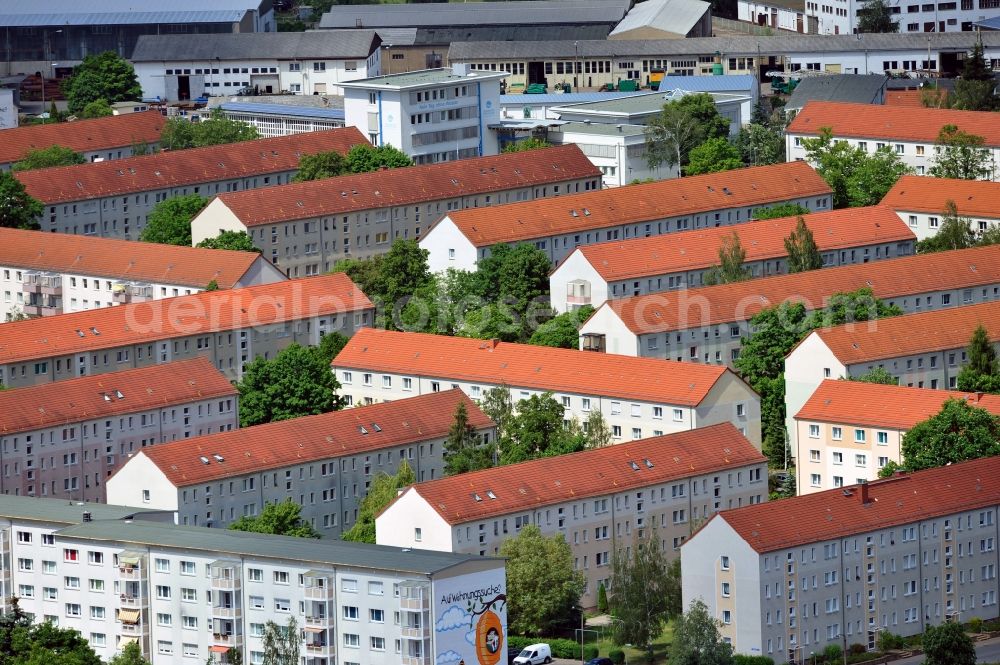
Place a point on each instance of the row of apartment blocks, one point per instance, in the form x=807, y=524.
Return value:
x=901, y=554
x=593, y=274
x=307, y=227
x=599, y=500
x=230, y=328
x=63, y=440
x=911, y=133
x=324, y=463
x=99, y=139
x=380, y=365
x=921, y=350
x=42, y=274
x=557, y=227
x=113, y=199
x=189, y=594
x=923, y=203
x=707, y=325
x=847, y=431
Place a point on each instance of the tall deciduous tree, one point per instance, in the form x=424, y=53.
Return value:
x=364, y=158
x=876, y=375
x=974, y=90
x=294, y=383
x=760, y=144
x=955, y=232
x=281, y=643
x=18, y=209
x=781, y=210
x=25, y=643
x=982, y=373
x=330, y=345
x=683, y=124
x=856, y=177
x=169, y=222
x=43, y=158
x=537, y=431
x=217, y=129
x=238, y=241
x=131, y=654
x=527, y=144
x=961, y=155
x=803, y=254
x=518, y=278
x=105, y=76
x=874, y=176
x=598, y=433
x=641, y=592
x=876, y=16
x=543, y=588
x=383, y=489
x=731, y=266
x=498, y=406
x=958, y=432
x=948, y=644
x=281, y=519
x=712, y=156
x=320, y=165
x=463, y=449
x=697, y=640
x=99, y=108
x=563, y=331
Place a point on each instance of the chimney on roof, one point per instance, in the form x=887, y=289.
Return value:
x=493, y=342
x=865, y=500
x=979, y=397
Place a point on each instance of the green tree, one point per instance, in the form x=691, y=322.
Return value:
x=104, y=76
x=781, y=210
x=131, y=654
x=18, y=209
x=961, y=155
x=330, y=345
x=363, y=158
x=803, y=254
x=982, y=373
x=948, y=644
x=25, y=643
x=731, y=266
x=955, y=232
x=177, y=134
x=602, y=599
x=640, y=593
x=874, y=176
x=856, y=177
x=598, y=433
x=239, y=241
x=974, y=90
x=43, y=158
x=320, y=165
x=761, y=144
x=281, y=643
x=876, y=375
x=216, y=129
x=498, y=406
x=464, y=449
x=527, y=144
x=543, y=589
x=957, y=433
x=563, y=330
x=876, y=16
x=712, y=156
x=169, y=222
x=99, y=108
x=282, y=518
x=851, y=307
x=537, y=431
x=697, y=640
x=294, y=383
x=384, y=488
x=515, y=283
x=682, y=125
x=389, y=280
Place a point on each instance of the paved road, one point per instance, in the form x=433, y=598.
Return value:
x=987, y=651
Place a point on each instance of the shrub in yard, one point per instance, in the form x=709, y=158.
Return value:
x=617, y=656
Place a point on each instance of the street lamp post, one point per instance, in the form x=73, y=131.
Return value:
x=576, y=66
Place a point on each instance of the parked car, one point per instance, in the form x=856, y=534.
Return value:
x=599, y=661
x=535, y=654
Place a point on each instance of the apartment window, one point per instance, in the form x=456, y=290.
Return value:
x=256, y=602
x=678, y=415
x=376, y=616
x=162, y=566
x=378, y=643
x=280, y=577
x=162, y=592
x=282, y=605
x=815, y=480
x=352, y=641
x=859, y=436
x=375, y=589
x=164, y=647
x=814, y=431
x=187, y=568
x=350, y=613
x=725, y=589
x=724, y=562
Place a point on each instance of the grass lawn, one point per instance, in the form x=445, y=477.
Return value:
x=638, y=655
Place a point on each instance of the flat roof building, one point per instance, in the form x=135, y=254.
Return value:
x=667, y=483
x=113, y=199
x=338, y=454
x=901, y=533
x=42, y=274
x=593, y=274
x=847, y=431
x=98, y=139
x=284, y=118
x=133, y=409
x=304, y=228
x=557, y=227
x=923, y=202
x=230, y=327
x=379, y=365
x=848, y=88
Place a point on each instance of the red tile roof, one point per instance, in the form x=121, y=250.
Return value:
x=822, y=516
x=876, y=405
x=937, y=330
x=200, y=313
x=91, y=397
x=909, y=98
x=123, y=259
x=923, y=273
x=415, y=184
x=542, y=482
x=180, y=168
x=891, y=122
x=529, y=366
x=914, y=193
x=692, y=250
x=741, y=188
x=312, y=438
x=117, y=131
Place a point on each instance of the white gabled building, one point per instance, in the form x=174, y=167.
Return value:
x=379, y=365
x=179, y=67
x=922, y=202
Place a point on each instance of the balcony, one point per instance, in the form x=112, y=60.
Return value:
x=226, y=639
x=322, y=622
x=226, y=612
x=132, y=629
x=320, y=650
x=324, y=592
x=414, y=660
x=132, y=601
x=594, y=342
x=42, y=308
x=225, y=583
x=130, y=573
x=42, y=283
x=129, y=292
x=417, y=604
x=414, y=633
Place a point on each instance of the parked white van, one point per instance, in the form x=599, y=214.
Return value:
x=536, y=654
